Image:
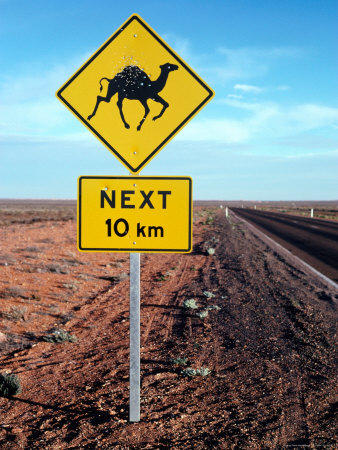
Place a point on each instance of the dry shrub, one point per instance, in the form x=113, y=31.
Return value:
x=14, y=313
x=9, y=385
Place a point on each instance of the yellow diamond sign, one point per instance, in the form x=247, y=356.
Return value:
x=135, y=93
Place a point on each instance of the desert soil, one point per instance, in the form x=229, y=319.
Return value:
x=267, y=340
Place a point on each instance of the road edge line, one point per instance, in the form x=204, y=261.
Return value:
x=268, y=240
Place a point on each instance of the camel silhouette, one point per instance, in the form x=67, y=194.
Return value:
x=134, y=84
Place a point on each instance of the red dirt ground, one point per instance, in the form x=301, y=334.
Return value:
x=270, y=348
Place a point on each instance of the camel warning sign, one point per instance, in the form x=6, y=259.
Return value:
x=135, y=214
x=135, y=93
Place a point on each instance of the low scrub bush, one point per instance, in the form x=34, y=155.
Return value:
x=74, y=262
x=120, y=277
x=295, y=303
x=13, y=292
x=59, y=336
x=203, y=314
x=180, y=361
x=164, y=276
x=32, y=249
x=208, y=294
x=9, y=385
x=190, y=372
x=6, y=260
x=56, y=268
x=71, y=286
x=212, y=307
x=190, y=304
x=14, y=313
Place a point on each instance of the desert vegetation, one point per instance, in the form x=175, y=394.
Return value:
x=237, y=345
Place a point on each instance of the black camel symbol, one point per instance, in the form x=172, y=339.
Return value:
x=133, y=83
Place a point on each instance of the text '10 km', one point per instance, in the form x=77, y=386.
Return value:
x=121, y=229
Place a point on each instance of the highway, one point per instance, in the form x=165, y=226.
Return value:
x=313, y=240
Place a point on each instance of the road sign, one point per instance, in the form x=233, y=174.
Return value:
x=135, y=93
x=135, y=214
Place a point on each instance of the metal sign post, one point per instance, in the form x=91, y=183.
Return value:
x=134, y=330
x=124, y=214
x=107, y=222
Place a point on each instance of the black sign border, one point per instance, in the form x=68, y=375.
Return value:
x=164, y=142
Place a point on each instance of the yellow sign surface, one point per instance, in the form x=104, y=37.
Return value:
x=135, y=214
x=135, y=93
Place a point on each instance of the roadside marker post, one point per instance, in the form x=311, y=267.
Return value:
x=135, y=214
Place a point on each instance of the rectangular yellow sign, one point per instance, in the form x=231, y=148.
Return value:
x=135, y=214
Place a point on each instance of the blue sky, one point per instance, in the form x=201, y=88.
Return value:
x=270, y=133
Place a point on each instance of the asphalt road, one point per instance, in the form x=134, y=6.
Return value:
x=313, y=240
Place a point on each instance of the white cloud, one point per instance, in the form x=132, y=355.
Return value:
x=235, y=96
x=183, y=48
x=298, y=118
x=309, y=140
x=72, y=139
x=28, y=103
x=224, y=130
x=312, y=116
x=236, y=64
x=248, y=88
x=263, y=122
x=283, y=88
x=29, y=107
x=36, y=117
x=246, y=63
x=237, y=102
x=322, y=154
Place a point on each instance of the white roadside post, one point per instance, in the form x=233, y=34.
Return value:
x=311, y=212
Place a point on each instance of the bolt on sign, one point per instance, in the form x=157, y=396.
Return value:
x=135, y=93
x=135, y=214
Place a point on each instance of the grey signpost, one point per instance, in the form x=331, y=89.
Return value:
x=134, y=370
x=145, y=145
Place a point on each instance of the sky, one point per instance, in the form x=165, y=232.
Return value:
x=270, y=133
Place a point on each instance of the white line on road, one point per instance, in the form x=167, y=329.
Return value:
x=284, y=251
